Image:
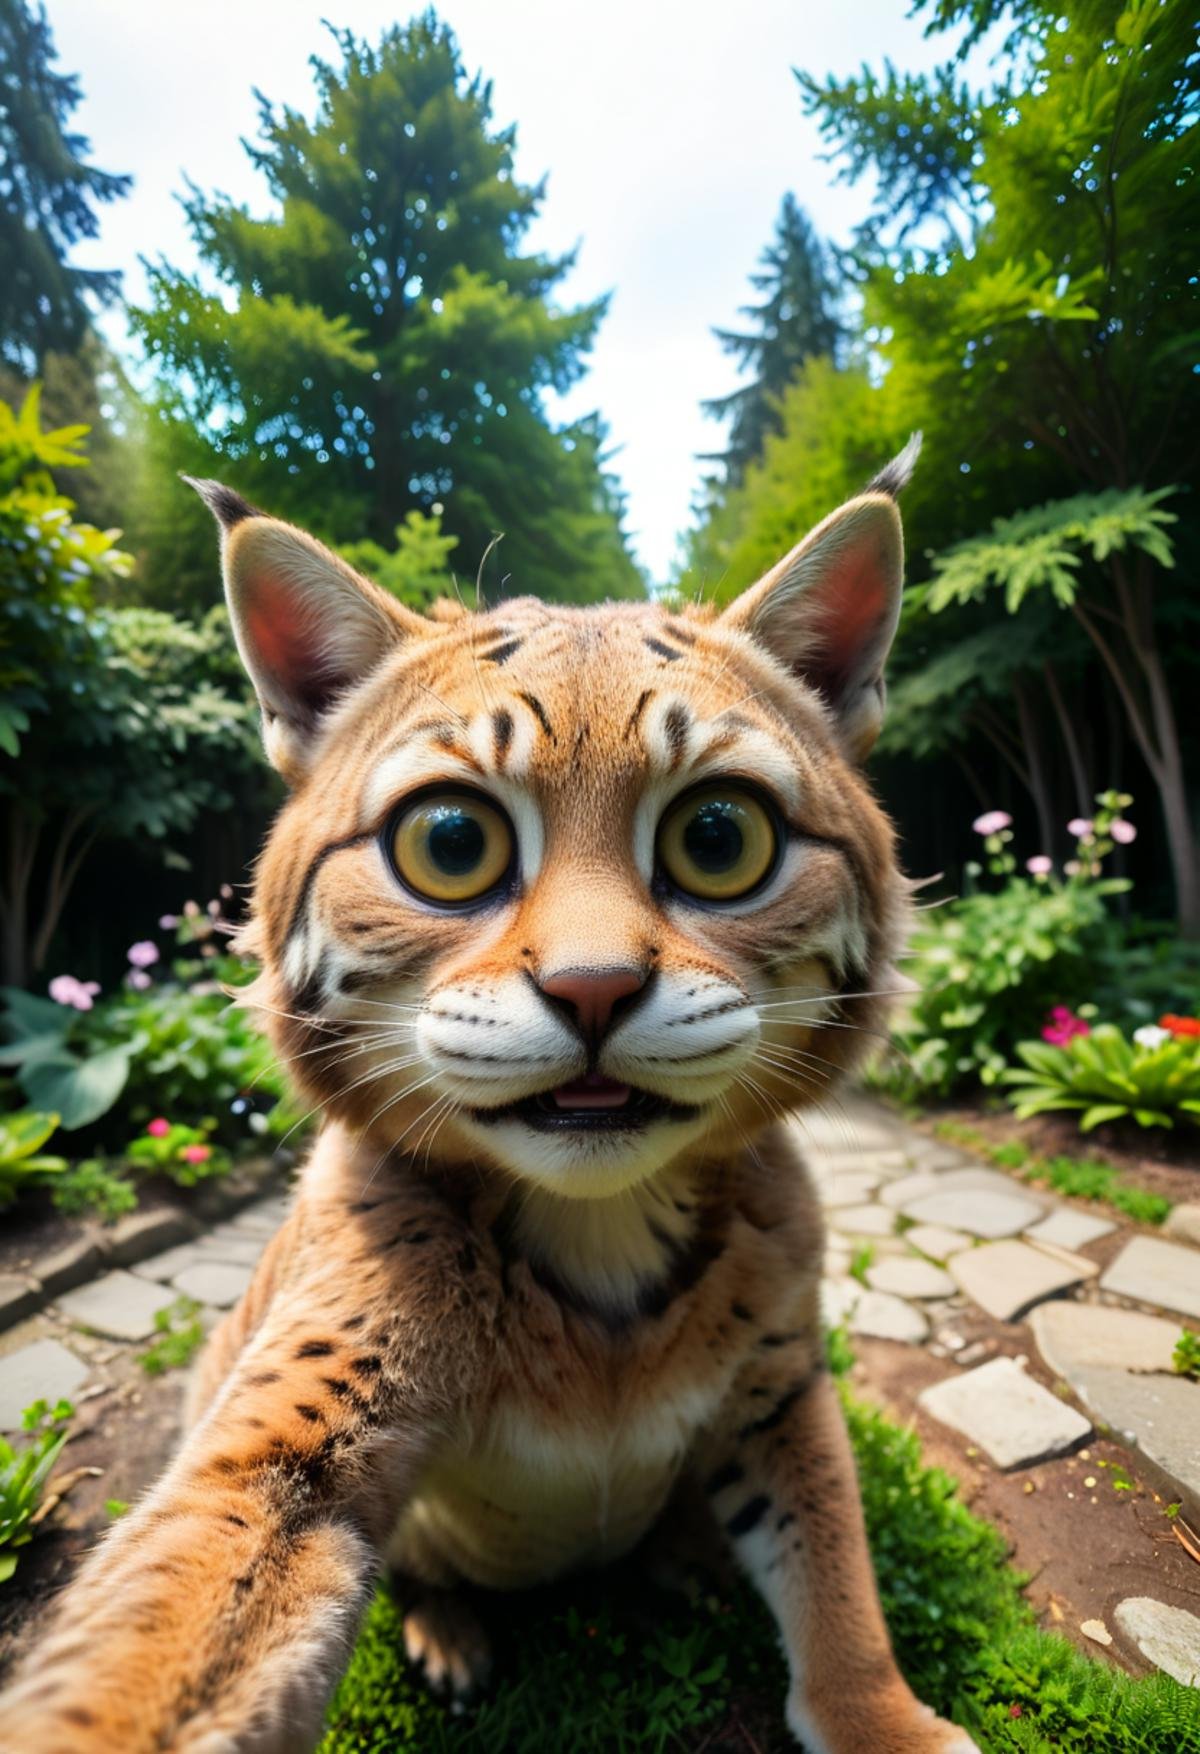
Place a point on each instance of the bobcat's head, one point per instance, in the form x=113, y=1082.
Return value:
x=571, y=892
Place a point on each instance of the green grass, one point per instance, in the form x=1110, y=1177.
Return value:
x=607, y=1665
x=179, y=1336
x=1077, y=1178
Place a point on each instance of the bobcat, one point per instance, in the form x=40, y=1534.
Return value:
x=567, y=910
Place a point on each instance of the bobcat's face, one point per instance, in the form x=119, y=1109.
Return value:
x=570, y=892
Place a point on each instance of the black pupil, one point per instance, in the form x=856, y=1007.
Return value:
x=713, y=838
x=456, y=842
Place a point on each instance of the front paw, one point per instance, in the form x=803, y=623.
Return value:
x=445, y=1638
x=894, y=1724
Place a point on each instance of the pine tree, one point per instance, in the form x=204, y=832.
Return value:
x=48, y=195
x=796, y=320
x=378, y=343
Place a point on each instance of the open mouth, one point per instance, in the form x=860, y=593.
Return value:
x=592, y=1104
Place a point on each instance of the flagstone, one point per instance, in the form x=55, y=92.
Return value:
x=1007, y=1278
x=1149, y=1270
x=1007, y=1413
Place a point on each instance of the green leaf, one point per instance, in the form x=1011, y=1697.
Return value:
x=79, y=1090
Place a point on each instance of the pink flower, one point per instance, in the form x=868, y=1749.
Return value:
x=1039, y=865
x=1062, y=1024
x=139, y=980
x=1072, y=867
x=159, y=1128
x=143, y=954
x=190, y=910
x=1080, y=827
x=991, y=822
x=213, y=910
x=196, y=1153
x=168, y=922
x=64, y=989
x=226, y=892
x=1122, y=832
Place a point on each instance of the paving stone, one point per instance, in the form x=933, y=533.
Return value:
x=936, y=1241
x=876, y=1163
x=1068, y=1228
x=120, y=1305
x=846, y=1128
x=1009, y=1415
x=940, y=1158
x=240, y=1249
x=45, y=1371
x=1007, y=1278
x=139, y=1234
x=877, y=1315
x=69, y=1266
x=1118, y=1362
x=976, y=1210
x=1167, y=1637
x=171, y=1261
x=1163, y=1273
x=1184, y=1223
x=909, y=1187
x=215, y=1282
x=848, y=1190
x=869, y=1220
x=18, y=1298
x=906, y=1276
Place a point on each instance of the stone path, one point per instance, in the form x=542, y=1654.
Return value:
x=923, y=1238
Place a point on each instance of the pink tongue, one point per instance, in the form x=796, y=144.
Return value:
x=593, y=1091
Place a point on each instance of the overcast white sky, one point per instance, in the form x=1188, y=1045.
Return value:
x=670, y=130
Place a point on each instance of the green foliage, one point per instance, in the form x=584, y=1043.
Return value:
x=862, y=1258
x=50, y=197
x=377, y=343
x=988, y=966
x=180, y=1334
x=618, y=1670
x=89, y=1188
x=417, y=570
x=115, y=1507
x=1089, y=1180
x=180, y=1152
x=1107, y=1078
x=23, y=1164
x=1043, y=550
x=1186, y=1355
x=25, y=1468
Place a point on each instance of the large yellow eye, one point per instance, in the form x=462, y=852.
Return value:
x=717, y=844
x=452, y=848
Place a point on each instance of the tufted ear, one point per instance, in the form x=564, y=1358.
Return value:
x=828, y=610
x=307, y=626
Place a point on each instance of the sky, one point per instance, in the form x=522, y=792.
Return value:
x=669, y=133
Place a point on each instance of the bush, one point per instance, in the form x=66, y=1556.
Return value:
x=1154, y=1081
x=24, y=1471
x=91, y=1187
x=23, y=1164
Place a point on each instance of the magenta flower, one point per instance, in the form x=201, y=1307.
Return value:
x=1062, y=1024
x=159, y=1128
x=143, y=954
x=168, y=922
x=196, y=1153
x=1080, y=827
x=1123, y=832
x=991, y=822
x=64, y=989
x=1039, y=865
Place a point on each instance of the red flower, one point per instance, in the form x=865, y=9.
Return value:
x=196, y=1153
x=159, y=1128
x=1180, y=1025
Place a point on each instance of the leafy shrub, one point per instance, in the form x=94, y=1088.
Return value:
x=1107, y=1078
x=22, y=1161
x=183, y=1153
x=1088, y=1180
x=1186, y=1356
x=180, y=1334
x=91, y=1187
x=79, y=1085
x=24, y=1471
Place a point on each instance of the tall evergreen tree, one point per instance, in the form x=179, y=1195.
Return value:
x=795, y=320
x=378, y=343
x=48, y=197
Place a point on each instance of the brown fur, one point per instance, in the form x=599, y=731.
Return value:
x=493, y=1361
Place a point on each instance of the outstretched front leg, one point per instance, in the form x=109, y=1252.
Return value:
x=782, y=1481
x=219, y=1613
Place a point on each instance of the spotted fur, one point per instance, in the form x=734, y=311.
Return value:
x=478, y=1352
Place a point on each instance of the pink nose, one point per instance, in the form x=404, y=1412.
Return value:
x=593, y=994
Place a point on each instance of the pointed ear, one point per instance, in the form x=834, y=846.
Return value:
x=307, y=626
x=828, y=610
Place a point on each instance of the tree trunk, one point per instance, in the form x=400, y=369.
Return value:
x=21, y=850
x=1038, y=787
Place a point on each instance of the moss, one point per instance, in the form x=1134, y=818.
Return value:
x=607, y=1665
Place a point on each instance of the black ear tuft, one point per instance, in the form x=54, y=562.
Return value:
x=226, y=506
x=896, y=475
